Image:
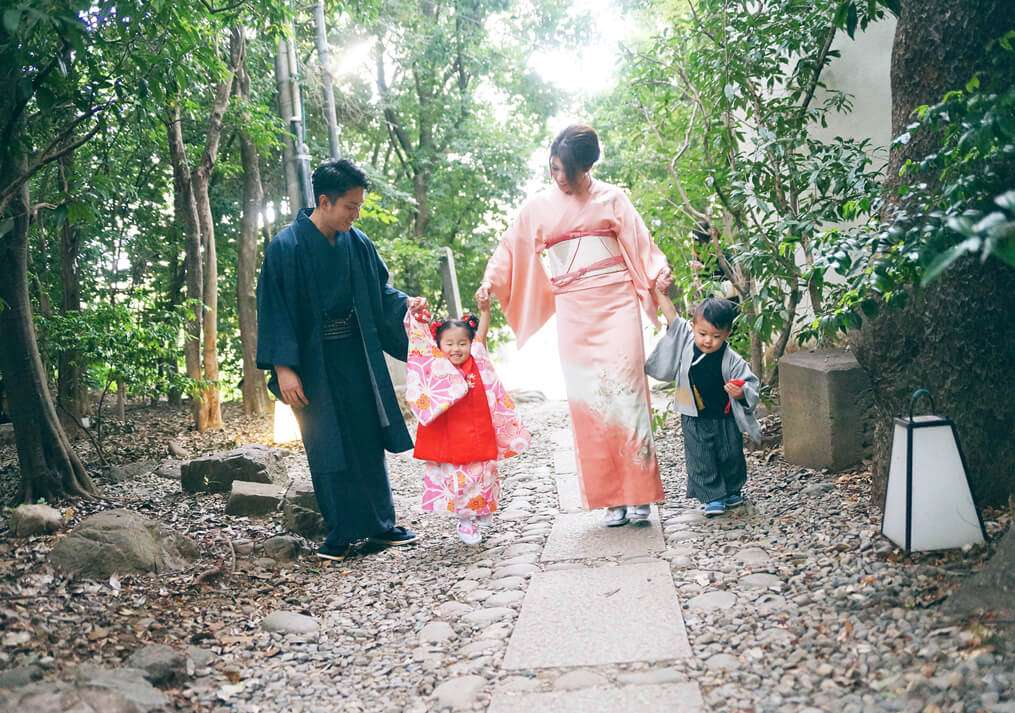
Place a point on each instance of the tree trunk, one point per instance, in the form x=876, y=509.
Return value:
x=420, y=189
x=324, y=56
x=186, y=216
x=50, y=468
x=285, y=108
x=255, y=394
x=939, y=45
x=71, y=393
x=211, y=403
x=121, y=401
x=193, y=204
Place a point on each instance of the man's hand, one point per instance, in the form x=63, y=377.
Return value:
x=416, y=305
x=291, y=387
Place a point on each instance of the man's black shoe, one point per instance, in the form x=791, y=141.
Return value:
x=330, y=552
x=396, y=536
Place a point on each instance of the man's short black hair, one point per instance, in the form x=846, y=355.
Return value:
x=718, y=312
x=335, y=177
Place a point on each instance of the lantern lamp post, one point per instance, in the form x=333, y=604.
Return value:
x=928, y=502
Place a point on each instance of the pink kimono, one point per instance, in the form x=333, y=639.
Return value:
x=603, y=267
x=433, y=385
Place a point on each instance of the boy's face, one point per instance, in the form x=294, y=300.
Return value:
x=707, y=336
x=456, y=344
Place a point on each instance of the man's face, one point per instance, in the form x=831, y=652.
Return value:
x=343, y=211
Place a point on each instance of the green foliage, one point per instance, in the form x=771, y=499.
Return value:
x=717, y=115
x=957, y=199
x=122, y=343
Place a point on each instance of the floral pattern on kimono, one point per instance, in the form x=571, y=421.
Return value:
x=464, y=490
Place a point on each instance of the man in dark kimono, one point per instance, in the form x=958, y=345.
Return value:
x=326, y=315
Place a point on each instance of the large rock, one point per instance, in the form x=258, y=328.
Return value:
x=992, y=589
x=121, y=541
x=300, y=513
x=248, y=498
x=282, y=548
x=93, y=689
x=61, y=697
x=29, y=520
x=215, y=473
x=128, y=682
x=130, y=471
x=170, y=469
x=287, y=622
x=20, y=676
x=161, y=664
x=826, y=406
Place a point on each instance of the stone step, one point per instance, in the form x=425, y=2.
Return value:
x=569, y=497
x=582, y=535
x=668, y=698
x=564, y=462
x=597, y=616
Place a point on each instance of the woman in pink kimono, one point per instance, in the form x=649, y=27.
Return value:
x=604, y=270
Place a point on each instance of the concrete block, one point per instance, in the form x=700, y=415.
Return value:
x=826, y=406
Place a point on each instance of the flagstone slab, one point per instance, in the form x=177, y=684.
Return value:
x=668, y=698
x=564, y=462
x=582, y=535
x=562, y=438
x=596, y=616
x=569, y=495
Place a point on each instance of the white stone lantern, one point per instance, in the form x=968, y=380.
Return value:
x=928, y=502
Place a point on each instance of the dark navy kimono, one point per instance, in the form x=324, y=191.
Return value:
x=353, y=415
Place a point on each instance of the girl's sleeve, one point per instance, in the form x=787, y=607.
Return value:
x=432, y=383
x=512, y=437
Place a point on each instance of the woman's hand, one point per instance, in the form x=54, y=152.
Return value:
x=664, y=281
x=483, y=295
x=483, y=300
x=291, y=388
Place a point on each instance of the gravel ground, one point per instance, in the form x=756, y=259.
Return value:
x=792, y=603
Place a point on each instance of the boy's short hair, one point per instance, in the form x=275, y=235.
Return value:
x=716, y=311
x=335, y=178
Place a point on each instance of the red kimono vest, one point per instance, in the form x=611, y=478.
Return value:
x=464, y=433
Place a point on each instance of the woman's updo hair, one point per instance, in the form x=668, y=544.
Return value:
x=577, y=147
x=468, y=322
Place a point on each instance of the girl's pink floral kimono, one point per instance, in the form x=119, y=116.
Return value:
x=433, y=387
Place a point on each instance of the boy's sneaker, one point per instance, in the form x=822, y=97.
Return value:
x=734, y=501
x=639, y=514
x=715, y=508
x=335, y=553
x=395, y=537
x=485, y=522
x=615, y=517
x=468, y=532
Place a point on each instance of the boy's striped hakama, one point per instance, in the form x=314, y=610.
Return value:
x=713, y=457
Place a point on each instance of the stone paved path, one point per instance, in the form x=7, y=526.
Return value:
x=602, y=598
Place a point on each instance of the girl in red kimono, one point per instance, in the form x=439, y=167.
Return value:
x=466, y=419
